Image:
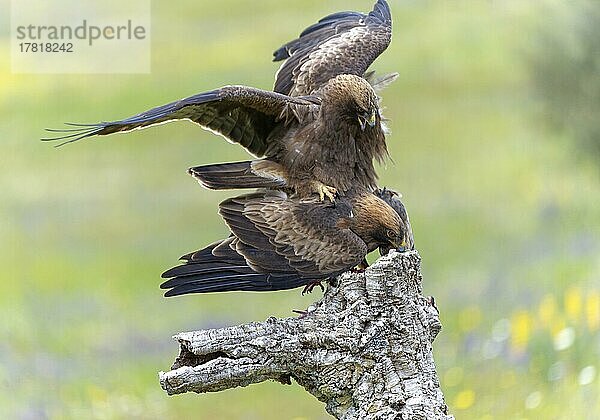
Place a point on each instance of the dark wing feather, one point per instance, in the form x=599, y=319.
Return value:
x=241, y=114
x=341, y=43
x=277, y=244
x=305, y=234
x=213, y=269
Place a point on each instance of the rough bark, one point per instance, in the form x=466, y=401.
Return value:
x=364, y=349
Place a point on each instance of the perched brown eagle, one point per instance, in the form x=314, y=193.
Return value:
x=278, y=242
x=320, y=135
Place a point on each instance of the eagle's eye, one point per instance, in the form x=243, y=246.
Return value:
x=367, y=118
x=362, y=110
x=390, y=234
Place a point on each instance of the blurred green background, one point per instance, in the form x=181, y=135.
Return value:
x=489, y=152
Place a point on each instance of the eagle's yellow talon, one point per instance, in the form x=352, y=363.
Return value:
x=330, y=193
x=326, y=191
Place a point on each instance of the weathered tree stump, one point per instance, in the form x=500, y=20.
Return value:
x=364, y=349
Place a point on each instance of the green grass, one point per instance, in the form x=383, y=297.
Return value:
x=505, y=218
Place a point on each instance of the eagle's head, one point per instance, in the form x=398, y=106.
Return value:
x=393, y=199
x=378, y=225
x=355, y=98
x=392, y=233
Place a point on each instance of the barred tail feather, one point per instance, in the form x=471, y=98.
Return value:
x=225, y=176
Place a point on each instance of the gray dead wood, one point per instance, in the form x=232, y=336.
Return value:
x=364, y=349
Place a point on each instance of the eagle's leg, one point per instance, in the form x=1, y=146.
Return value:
x=324, y=191
x=361, y=267
x=311, y=285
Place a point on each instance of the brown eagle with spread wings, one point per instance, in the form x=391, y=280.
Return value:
x=318, y=132
x=278, y=242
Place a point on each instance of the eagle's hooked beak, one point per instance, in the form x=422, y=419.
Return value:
x=370, y=119
x=402, y=247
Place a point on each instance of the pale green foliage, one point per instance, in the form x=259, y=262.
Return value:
x=505, y=220
x=566, y=70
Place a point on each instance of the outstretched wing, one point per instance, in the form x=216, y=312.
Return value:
x=341, y=43
x=241, y=114
x=304, y=235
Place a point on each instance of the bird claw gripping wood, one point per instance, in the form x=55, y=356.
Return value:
x=310, y=286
